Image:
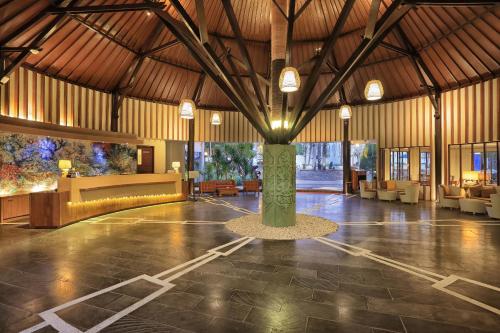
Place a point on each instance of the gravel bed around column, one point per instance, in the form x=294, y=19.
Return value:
x=306, y=226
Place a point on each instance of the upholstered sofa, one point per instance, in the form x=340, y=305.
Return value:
x=478, y=199
x=449, y=196
x=493, y=208
x=211, y=186
x=411, y=194
x=366, y=190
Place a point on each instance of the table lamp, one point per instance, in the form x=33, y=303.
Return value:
x=64, y=165
x=471, y=176
x=176, y=165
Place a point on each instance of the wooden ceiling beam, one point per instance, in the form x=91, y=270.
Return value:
x=162, y=47
x=198, y=54
x=280, y=9
x=420, y=66
x=130, y=76
x=104, y=8
x=389, y=19
x=395, y=48
x=372, y=19
x=302, y=9
x=35, y=43
x=464, y=3
x=42, y=14
x=233, y=22
x=243, y=66
x=313, y=77
x=202, y=21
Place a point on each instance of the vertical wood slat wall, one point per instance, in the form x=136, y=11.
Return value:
x=161, y=121
x=33, y=96
x=470, y=114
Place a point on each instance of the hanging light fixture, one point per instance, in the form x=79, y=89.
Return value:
x=374, y=90
x=216, y=118
x=345, y=112
x=186, y=109
x=276, y=124
x=289, y=80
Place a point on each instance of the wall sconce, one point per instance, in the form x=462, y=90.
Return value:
x=176, y=165
x=64, y=165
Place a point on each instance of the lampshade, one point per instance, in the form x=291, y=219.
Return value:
x=186, y=109
x=64, y=164
x=471, y=175
x=216, y=118
x=275, y=124
x=176, y=164
x=289, y=80
x=345, y=112
x=374, y=90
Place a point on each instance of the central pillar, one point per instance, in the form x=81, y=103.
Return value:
x=278, y=197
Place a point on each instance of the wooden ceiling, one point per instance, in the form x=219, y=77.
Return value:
x=459, y=45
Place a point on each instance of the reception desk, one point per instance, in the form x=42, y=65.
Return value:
x=84, y=197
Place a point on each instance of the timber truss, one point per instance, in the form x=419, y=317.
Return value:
x=251, y=102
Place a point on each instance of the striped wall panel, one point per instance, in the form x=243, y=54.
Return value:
x=470, y=114
x=33, y=96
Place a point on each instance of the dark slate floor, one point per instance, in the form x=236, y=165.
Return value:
x=266, y=286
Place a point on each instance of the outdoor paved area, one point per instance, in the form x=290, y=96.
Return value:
x=175, y=268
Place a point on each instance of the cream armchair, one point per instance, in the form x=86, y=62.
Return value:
x=494, y=209
x=365, y=192
x=450, y=199
x=411, y=194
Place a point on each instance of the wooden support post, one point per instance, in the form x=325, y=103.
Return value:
x=438, y=143
x=115, y=115
x=346, y=158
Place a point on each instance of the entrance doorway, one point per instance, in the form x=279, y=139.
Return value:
x=145, y=159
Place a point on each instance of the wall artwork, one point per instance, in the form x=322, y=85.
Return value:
x=29, y=163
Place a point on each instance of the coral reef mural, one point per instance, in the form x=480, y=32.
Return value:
x=29, y=163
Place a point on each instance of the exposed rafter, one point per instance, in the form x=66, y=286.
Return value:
x=302, y=9
x=42, y=36
x=280, y=9
x=162, y=47
x=420, y=66
x=219, y=78
x=105, y=8
x=389, y=19
x=246, y=58
x=316, y=70
x=372, y=18
x=466, y=3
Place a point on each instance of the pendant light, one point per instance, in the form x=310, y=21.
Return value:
x=186, y=109
x=277, y=124
x=289, y=80
x=345, y=112
x=374, y=90
x=216, y=119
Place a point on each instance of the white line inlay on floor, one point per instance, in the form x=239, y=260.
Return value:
x=50, y=318
x=440, y=282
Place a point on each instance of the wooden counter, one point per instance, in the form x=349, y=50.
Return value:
x=80, y=198
x=113, y=186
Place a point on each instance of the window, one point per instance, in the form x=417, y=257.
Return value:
x=425, y=167
x=400, y=165
x=482, y=157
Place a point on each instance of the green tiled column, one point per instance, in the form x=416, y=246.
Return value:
x=279, y=186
